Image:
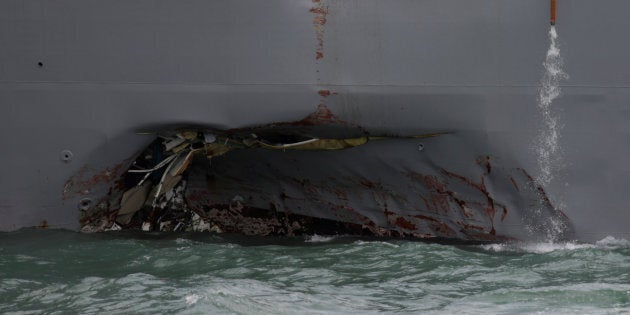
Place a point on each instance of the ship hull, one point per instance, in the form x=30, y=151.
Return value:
x=112, y=76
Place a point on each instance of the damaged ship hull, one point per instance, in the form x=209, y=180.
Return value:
x=413, y=119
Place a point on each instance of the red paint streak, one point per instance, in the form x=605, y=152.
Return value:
x=438, y=199
x=488, y=166
x=419, y=216
x=321, y=116
x=504, y=214
x=340, y=194
x=368, y=184
x=436, y=203
x=403, y=223
x=541, y=191
x=320, y=18
x=432, y=183
x=470, y=226
x=485, y=162
x=489, y=208
x=427, y=205
x=440, y=202
x=514, y=183
x=105, y=175
x=481, y=187
x=356, y=213
x=324, y=93
x=319, y=12
x=443, y=229
x=437, y=225
x=78, y=185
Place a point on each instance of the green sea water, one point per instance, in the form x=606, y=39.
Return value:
x=61, y=272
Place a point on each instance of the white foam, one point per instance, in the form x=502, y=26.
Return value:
x=535, y=248
x=192, y=299
x=376, y=242
x=319, y=239
x=608, y=242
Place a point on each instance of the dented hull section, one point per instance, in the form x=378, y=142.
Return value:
x=402, y=118
x=303, y=178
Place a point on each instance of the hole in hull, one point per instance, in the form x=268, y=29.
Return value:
x=271, y=181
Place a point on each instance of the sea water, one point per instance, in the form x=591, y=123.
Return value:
x=63, y=272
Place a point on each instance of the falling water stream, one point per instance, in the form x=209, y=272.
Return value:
x=547, y=146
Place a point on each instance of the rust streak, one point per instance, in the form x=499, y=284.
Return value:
x=470, y=226
x=78, y=185
x=320, y=13
x=423, y=217
x=321, y=116
x=514, y=183
x=541, y=191
x=403, y=223
x=324, y=93
x=43, y=225
x=489, y=208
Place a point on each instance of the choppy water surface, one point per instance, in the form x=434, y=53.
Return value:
x=67, y=272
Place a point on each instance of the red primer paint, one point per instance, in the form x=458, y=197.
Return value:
x=319, y=55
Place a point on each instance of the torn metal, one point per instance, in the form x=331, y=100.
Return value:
x=303, y=178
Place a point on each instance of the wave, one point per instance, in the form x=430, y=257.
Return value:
x=608, y=242
x=319, y=239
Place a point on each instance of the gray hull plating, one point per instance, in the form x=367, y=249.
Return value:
x=87, y=76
